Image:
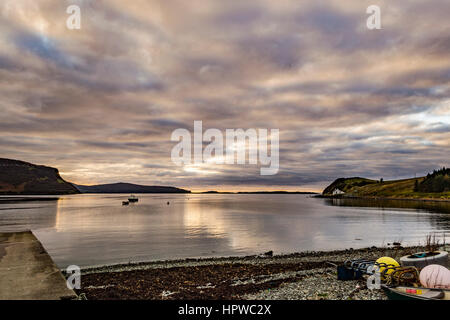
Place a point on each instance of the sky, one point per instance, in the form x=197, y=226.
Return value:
x=100, y=103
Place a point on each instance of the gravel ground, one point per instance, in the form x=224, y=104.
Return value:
x=299, y=276
x=321, y=284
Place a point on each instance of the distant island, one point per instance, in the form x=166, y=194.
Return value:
x=122, y=187
x=434, y=186
x=19, y=177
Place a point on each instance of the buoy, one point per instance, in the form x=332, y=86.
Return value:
x=435, y=276
x=389, y=262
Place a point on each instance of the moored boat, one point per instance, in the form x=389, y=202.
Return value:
x=133, y=198
x=125, y=203
x=413, y=293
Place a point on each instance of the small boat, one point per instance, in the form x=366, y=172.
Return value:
x=133, y=198
x=413, y=293
x=125, y=203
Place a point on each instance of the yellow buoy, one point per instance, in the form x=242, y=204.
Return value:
x=387, y=262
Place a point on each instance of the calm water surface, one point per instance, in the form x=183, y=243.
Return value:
x=96, y=229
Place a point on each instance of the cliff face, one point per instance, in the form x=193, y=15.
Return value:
x=18, y=177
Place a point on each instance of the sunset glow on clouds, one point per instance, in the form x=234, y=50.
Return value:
x=101, y=103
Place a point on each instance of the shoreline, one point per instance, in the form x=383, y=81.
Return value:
x=298, y=276
x=14, y=199
x=212, y=260
x=53, y=197
x=320, y=196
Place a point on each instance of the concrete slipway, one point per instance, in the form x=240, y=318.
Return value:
x=27, y=272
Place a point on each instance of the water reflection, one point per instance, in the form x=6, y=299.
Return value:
x=428, y=206
x=412, y=212
x=27, y=215
x=260, y=222
x=97, y=229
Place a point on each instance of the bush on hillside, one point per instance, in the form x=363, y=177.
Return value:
x=438, y=181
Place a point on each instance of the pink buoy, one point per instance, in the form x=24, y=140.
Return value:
x=435, y=276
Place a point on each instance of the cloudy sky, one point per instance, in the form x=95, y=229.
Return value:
x=100, y=103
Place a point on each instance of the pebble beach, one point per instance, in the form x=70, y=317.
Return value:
x=298, y=276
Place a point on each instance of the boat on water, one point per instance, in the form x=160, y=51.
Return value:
x=133, y=198
x=413, y=293
x=125, y=203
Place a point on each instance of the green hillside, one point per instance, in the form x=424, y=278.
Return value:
x=434, y=186
x=347, y=184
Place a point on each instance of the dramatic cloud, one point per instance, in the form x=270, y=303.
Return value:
x=101, y=103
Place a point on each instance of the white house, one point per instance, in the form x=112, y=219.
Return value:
x=337, y=191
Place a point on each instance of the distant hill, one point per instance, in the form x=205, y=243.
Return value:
x=128, y=188
x=434, y=186
x=18, y=177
